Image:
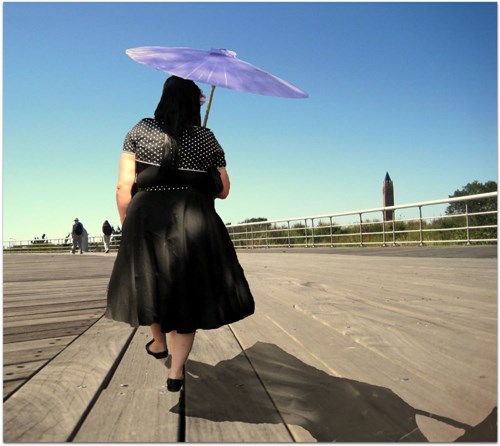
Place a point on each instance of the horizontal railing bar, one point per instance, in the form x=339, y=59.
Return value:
x=381, y=209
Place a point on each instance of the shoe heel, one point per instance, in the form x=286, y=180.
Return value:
x=174, y=385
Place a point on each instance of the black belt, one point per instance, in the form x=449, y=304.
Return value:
x=162, y=187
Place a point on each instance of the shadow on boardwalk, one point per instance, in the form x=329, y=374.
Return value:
x=330, y=408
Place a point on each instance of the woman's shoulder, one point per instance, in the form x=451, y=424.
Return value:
x=203, y=133
x=144, y=127
x=148, y=122
x=206, y=138
x=202, y=130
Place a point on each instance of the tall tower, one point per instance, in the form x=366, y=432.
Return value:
x=388, y=196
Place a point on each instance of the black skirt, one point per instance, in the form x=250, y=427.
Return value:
x=176, y=265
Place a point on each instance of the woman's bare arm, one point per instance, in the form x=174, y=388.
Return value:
x=225, y=182
x=126, y=178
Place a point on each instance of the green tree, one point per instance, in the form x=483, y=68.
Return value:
x=253, y=220
x=483, y=205
x=476, y=222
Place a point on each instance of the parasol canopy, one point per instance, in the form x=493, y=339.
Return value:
x=218, y=68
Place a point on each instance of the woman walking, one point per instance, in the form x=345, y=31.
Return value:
x=176, y=269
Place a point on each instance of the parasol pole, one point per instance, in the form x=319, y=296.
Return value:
x=212, y=89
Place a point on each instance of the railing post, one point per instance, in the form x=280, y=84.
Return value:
x=331, y=233
x=252, y=237
x=361, y=229
x=289, y=240
x=305, y=233
x=384, y=244
x=394, y=231
x=421, y=226
x=312, y=231
x=467, y=222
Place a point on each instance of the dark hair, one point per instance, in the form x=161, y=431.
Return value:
x=179, y=106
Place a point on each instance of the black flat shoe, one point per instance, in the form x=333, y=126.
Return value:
x=159, y=355
x=174, y=385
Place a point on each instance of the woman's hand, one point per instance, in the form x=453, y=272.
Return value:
x=225, y=182
x=126, y=178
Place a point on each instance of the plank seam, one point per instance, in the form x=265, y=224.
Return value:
x=263, y=385
x=102, y=387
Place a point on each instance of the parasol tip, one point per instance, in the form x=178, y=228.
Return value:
x=223, y=52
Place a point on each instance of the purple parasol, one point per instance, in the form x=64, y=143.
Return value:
x=218, y=68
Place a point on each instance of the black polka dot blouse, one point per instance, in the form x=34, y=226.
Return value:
x=196, y=152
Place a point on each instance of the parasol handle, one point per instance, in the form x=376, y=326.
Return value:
x=212, y=89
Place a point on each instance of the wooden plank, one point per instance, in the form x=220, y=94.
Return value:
x=9, y=387
x=29, y=307
x=297, y=370
x=57, y=287
x=138, y=370
x=52, y=317
x=21, y=360
x=342, y=344
x=423, y=326
x=128, y=415
x=81, y=325
x=39, y=349
x=44, y=297
x=27, y=319
x=21, y=371
x=135, y=407
x=25, y=268
x=225, y=401
x=61, y=341
x=52, y=403
x=72, y=285
x=302, y=376
x=46, y=305
x=288, y=281
x=140, y=381
x=59, y=332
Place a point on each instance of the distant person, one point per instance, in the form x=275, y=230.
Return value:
x=76, y=234
x=176, y=268
x=107, y=230
x=85, y=240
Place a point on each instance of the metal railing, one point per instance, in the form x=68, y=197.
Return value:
x=357, y=228
x=367, y=227
x=61, y=245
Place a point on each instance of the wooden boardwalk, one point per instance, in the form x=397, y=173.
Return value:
x=363, y=347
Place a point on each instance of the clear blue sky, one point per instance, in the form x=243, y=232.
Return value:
x=408, y=88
